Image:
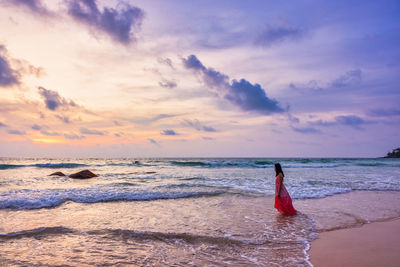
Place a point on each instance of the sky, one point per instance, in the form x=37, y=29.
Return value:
x=177, y=78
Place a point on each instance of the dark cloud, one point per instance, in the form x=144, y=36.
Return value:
x=349, y=78
x=306, y=130
x=65, y=119
x=384, y=112
x=16, y=132
x=348, y=120
x=277, y=34
x=36, y=127
x=49, y=133
x=119, y=24
x=34, y=6
x=247, y=96
x=117, y=135
x=53, y=100
x=2, y=124
x=152, y=141
x=293, y=119
x=74, y=136
x=351, y=120
x=8, y=76
x=323, y=123
x=196, y=124
x=166, y=61
x=208, y=138
x=169, y=132
x=84, y=130
x=167, y=84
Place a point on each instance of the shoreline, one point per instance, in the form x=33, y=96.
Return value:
x=370, y=244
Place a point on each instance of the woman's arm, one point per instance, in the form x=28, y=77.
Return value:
x=280, y=178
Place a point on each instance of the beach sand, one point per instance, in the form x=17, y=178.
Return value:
x=375, y=244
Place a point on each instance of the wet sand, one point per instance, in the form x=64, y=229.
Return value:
x=375, y=244
x=220, y=230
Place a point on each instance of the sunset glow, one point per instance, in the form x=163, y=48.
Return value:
x=202, y=78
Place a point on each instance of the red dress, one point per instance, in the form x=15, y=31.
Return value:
x=283, y=203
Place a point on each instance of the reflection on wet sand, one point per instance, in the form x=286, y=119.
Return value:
x=217, y=230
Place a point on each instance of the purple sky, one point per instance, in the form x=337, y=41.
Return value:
x=86, y=78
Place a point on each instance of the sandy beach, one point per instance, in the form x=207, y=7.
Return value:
x=375, y=244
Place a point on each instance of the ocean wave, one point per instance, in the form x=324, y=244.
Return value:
x=169, y=237
x=262, y=164
x=43, y=165
x=143, y=236
x=377, y=164
x=59, y=165
x=248, y=164
x=11, y=166
x=38, y=199
x=37, y=232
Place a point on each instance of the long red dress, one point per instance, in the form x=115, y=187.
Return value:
x=283, y=203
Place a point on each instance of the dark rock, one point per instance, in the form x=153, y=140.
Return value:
x=57, y=174
x=149, y=172
x=85, y=174
x=394, y=154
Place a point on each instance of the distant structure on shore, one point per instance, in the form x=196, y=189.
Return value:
x=394, y=154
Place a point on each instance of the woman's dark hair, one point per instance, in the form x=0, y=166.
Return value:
x=278, y=169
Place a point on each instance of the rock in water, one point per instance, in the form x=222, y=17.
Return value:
x=85, y=174
x=57, y=174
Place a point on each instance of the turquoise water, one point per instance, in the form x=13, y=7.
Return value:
x=25, y=184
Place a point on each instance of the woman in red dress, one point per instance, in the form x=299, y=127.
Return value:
x=283, y=202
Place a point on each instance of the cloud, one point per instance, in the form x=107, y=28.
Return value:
x=196, y=124
x=384, y=112
x=2, y=124
x=74, y=136
x=166, y=61
x=347, y=120
x=349, y=78
x=169, y=132
x=34, y=6
x=36, y=127
x=351, y=120
x=53, y=100
x=152, y=141
x=49, y=133
x=167, y=84
x=16, y=132
x=65, y=119
x=8, y=76
x=277, y=34
x=293, y=119
x=306, y=130
x=208, y=138
x=153, y=119
x=247, y=96
x=84, y=130
x=119, y=24
x=42, y=131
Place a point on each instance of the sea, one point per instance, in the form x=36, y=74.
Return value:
x=184, y=211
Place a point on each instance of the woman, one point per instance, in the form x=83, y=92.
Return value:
x=283, y=202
